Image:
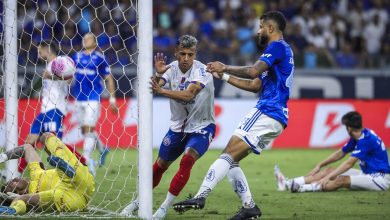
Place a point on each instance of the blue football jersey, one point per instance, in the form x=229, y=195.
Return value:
x=276, y=81
x=90, y=72
x=371, y=152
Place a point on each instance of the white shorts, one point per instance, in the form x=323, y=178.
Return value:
x=258, y=130
x=87, y=112
x=373, y=182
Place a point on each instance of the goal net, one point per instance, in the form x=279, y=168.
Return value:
x=62, y=25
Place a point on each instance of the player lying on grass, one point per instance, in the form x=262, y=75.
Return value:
x=66, y=188
x=365, y=146
x=191, y=92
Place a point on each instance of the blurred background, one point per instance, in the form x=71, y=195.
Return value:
x=330, y=33
x=341, y=48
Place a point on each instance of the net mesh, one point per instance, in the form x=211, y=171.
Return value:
x=63, y=24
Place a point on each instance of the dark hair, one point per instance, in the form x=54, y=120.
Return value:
x=352, y=119
x=186, y=41
x=276, y=16
x=49, y=45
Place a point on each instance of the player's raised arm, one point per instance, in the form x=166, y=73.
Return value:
x=250, y=72
x=161, y=67
x=245, y=84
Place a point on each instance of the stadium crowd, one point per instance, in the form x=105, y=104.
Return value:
x=323, y=33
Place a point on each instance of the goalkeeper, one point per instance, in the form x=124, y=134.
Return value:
x=66, y=188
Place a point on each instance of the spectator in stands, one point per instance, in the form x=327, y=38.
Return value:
x=346, y=58
x=328, y=19
x=372, y=35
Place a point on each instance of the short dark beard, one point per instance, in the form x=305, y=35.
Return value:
x=261, y=43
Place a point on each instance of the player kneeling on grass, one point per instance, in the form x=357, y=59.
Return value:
x=66, y=188
x=365, y=146
x=191, y=93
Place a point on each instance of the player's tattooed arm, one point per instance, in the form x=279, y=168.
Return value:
x=251, y=85
x=250, y=72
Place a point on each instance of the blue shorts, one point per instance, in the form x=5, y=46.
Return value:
x=175, y=143
x=50, y=121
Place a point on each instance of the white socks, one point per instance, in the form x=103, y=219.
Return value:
x=216, y=173
x=240, y=185
x=89, y=145
x=300, y=180
x=3, y=157
x=99, y=144
x=312, y=187
x=168, y=201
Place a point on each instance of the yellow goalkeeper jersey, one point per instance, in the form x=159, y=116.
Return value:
x=40, y=179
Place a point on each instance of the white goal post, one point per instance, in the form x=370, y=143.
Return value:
x=128, y=171
x=145, y=111
x=10, y=74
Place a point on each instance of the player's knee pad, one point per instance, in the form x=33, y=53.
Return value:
x=227, y=158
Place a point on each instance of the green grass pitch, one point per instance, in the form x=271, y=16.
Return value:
x=116, y=185
x=223, y=202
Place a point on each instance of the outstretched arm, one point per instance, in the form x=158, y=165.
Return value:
x=250, y=72
x=253, y=85
x=186, y=95
x=346, y=165
x=27, y=151
x=335, y=156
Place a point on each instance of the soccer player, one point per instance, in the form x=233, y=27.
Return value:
x=365, y=146
x=66, y=188
x=272, y=75
x=191, y=92
x=54, y=101
x=91, y=77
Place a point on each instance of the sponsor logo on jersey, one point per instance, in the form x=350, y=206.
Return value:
x=85, y=71
x=356, y=151
x=264, y=74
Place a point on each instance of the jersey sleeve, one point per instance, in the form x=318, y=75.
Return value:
x=201, y=77
x=273, y=53
x=167, y=76
x=349, y=146
x=361, y=151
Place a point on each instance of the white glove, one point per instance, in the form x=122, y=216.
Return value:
x=3, y=157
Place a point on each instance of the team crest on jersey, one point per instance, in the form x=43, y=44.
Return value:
x=184, y=86
x=264, y=74
x=211, y=175
x=240, y=186
x=166, y=141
